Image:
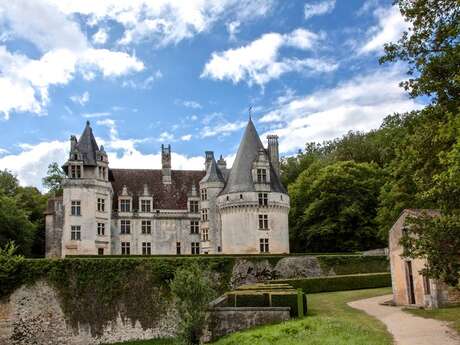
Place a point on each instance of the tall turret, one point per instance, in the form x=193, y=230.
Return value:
x=87, y=197
x=254, y=205
x=273, y=152
x=166, y=164
x=210, y=187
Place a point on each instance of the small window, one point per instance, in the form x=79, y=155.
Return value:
x=263, y=221
x=100, y=251
x=193, y=206
x=194, y=227
x=219, y=249
x=178, y=248
x=145, y=206
x=263, y=199
x=195, y=248
x=75, y=233
x=125, y=205
x=101, y=229
x=101, y=205
x=125, y=226
x=261, y=175
x=204, y=215
x=205, y=234
x=146, y=248
x=204, y=194
x=228, y=198
x=146, y=226
x=75, y=209
x=264, y=248
x=75, y=171
x=241, y=196
x=125, y=248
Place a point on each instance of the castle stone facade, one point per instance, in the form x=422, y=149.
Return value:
x=103, y=211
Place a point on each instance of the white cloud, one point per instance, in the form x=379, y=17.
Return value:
x=100, y=37
x=25, y=81
x=222, y=129
x=80, y=99
x=357, y=104
x=389, y=29
x=186, y=137
x=164, y=21
x=317, y=8
x=166, y=137
x=233, y=28
x=189, y=103
x=96, y=114
x=3, y=151
x=259, y=62
x=144, y=84
x=31, y=163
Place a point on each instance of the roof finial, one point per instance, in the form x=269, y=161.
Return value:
x=87, y=122
x=250, y=112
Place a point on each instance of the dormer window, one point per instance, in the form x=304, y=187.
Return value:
x=193, y=206
x=75, y=171
x=204, y=194
x=262, y=175
x=145, y=205
x=125, y=205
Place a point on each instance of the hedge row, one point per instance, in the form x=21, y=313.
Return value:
x=339, y=283
x=353, y=264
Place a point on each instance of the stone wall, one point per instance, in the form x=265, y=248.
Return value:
x=226, y=320
x=33, y=315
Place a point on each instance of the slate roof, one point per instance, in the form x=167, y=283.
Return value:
x=213, y=173
x=87, y=146
x=165, y=196
x=240, y=177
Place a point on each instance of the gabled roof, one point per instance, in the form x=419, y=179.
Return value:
x=213, y=173
x=87, y=146
x=165, y=196
x=240, y=177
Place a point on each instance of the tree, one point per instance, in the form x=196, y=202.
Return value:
x=431, y=49
x=53, y=179
x=335, y=206
x=15, y=225
x=192, y=289
x=8, y=183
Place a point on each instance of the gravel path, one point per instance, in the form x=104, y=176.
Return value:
x=406, y=328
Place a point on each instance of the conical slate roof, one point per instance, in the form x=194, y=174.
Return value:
x=213, y=173
x=240, y=178
x=87, y=146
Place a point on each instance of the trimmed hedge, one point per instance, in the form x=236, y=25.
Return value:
x=353, y=264
x=340, y=283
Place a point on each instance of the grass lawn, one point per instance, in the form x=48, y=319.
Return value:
x=451, y=314
x=329, y=322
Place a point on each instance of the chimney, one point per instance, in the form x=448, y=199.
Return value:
x=73, y=142
x=166, y=164
x=222, y=164
x=273, y=152
x=209, y=158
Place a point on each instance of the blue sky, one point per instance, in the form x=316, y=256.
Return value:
x=185, y=72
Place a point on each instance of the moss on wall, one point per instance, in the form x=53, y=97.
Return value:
x=95, y=290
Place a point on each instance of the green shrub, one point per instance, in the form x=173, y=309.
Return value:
x=10, y=266
x=192, y=288
x=353, y=264
x=340, y=283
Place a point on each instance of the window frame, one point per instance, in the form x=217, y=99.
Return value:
x=75, y=232
x=146, y=227
x=144, y=204
x=263, y=199
x=123, y=203
x=125, y=248
x=261, y=175
x=195, y=248
x=264, y=245
x=146, y=248
x=194, y=206
x=75, y=208
x=263, y=222
x=125, y=226
x=101, y=226
x=205, y=234
x=100, y=204
x=194, y=227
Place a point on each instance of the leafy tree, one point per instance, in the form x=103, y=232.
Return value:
x=192, y=289
x=430, y=236
x=15, y=225
x=53, y=179
x=335, y=207
x=10, y=264
x=8, y=183
x=431, y=49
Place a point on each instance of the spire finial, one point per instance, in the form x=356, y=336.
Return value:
x=250, y=112
x=87, y=122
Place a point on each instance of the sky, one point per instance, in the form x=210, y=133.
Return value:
x=146, y=73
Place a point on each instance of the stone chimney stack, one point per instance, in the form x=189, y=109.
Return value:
x=209, y=158
x=273, y=152
x=73, y=142
x=221, y=163
x=166, y=164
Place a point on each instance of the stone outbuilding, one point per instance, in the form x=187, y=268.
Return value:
x=410, y=287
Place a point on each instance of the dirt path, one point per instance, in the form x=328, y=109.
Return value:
x=406, y=328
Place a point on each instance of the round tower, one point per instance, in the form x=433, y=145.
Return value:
x=254, y=205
